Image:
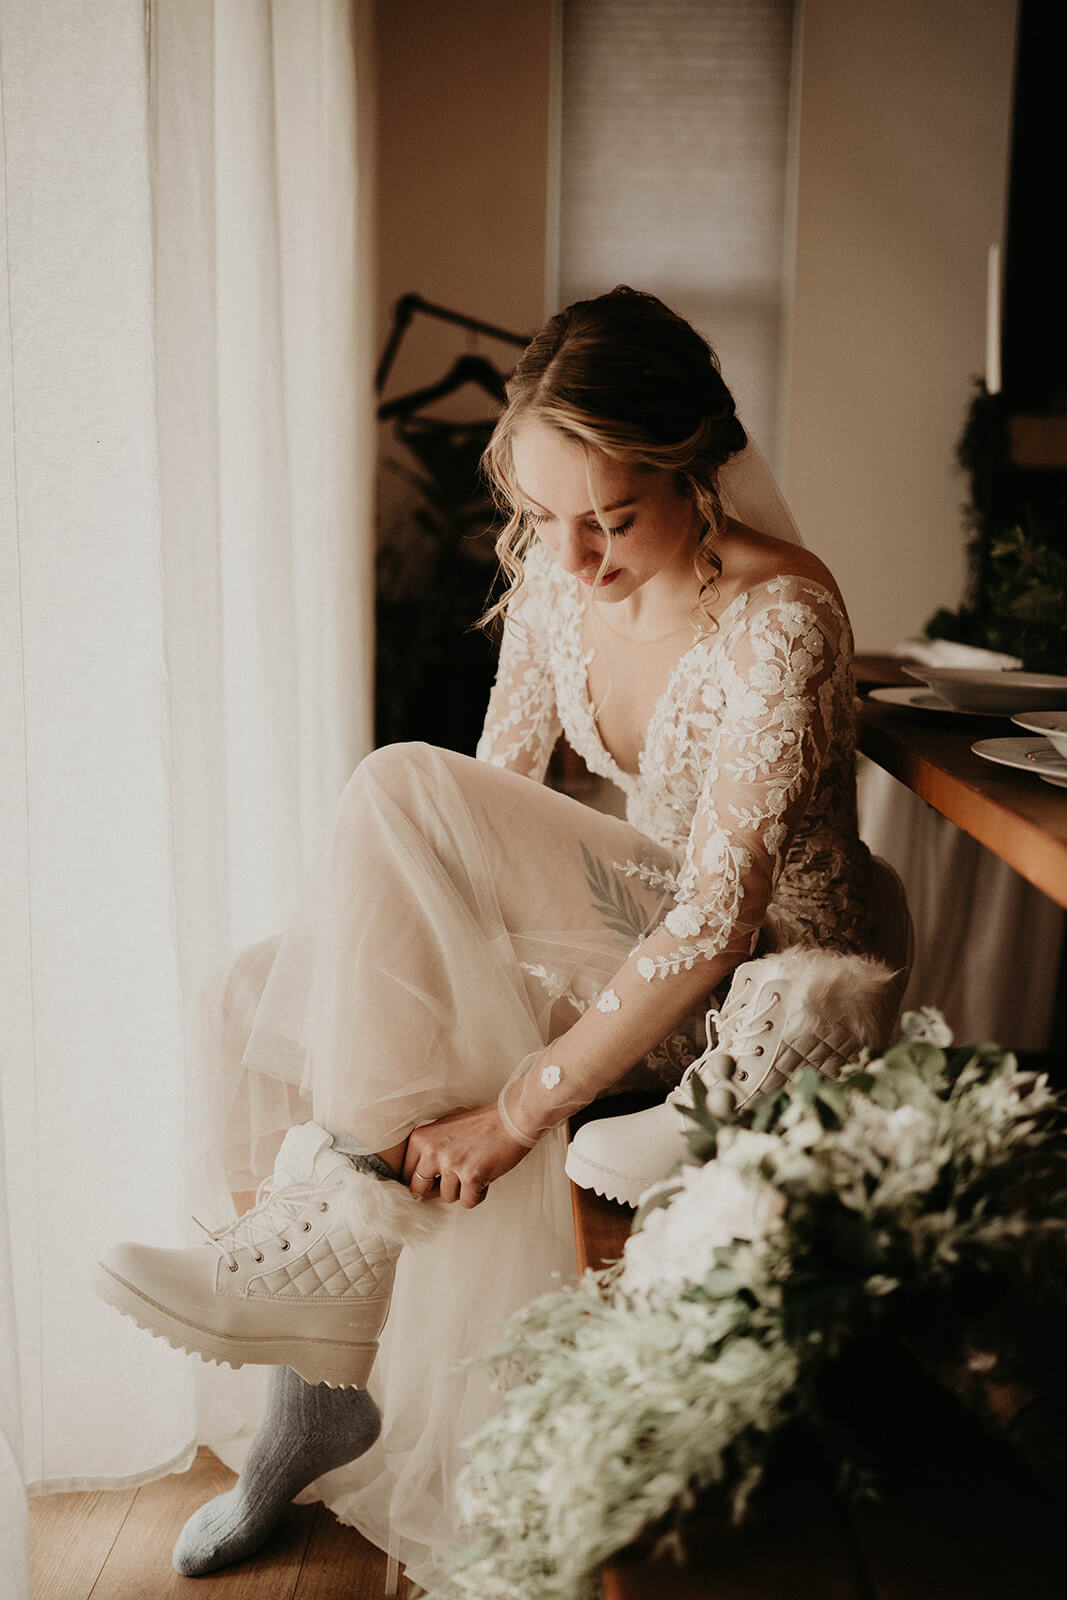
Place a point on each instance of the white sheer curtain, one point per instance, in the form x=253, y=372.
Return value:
x=185, y=641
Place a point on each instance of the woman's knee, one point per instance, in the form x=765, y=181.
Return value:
x=400, y=773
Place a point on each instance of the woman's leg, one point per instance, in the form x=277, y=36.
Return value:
x=459, y=904
x=306, y=1431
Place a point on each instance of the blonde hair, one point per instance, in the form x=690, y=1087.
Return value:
x=623, y=375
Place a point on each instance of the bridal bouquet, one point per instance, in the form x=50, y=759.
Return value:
x=920, y=1197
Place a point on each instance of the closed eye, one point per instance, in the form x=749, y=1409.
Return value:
x=622, y=529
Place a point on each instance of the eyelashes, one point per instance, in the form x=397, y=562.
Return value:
x=533, y=520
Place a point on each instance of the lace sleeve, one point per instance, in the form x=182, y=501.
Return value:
x=778, y=699
x=522, y=724
x=785, y=677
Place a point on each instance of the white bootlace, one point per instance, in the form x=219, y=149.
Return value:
x=272, y=1212
x=736, y=1030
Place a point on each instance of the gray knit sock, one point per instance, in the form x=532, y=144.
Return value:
x=308, y=1429
x=361, y=1160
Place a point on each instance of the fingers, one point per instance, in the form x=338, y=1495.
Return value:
x=449, y=1187
x=447, y=1160
x=423, y=1183
x=473, y=1194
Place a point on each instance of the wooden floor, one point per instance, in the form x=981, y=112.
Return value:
x=116, y=1546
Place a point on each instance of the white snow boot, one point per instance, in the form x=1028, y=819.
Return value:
x=794, y=1009
x=303, y=1280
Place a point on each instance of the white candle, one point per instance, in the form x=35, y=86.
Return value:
x=992, y=321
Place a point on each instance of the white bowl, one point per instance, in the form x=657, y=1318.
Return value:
x=1053, y=724
x=998, y=693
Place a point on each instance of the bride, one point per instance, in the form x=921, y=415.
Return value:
x=482, y=955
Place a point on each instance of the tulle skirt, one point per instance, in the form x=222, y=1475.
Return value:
x=460, y=919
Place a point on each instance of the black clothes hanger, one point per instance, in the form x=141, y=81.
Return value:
x=404, y=311
x=466, y=369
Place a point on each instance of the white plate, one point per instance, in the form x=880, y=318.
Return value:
x=995, y=693
x=922, y=700
x=1053, y=724
x=1025, y=755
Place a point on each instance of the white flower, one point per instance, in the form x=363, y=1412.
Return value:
x=767, y=676
x=800, y=668
x=609, y=1001
x=927, y=1023
x=715, y=856
x=550, y=1076
x=676, y=1244
x=646, y=967
x=903, y=1136
x=774, y=837
x=684, y=921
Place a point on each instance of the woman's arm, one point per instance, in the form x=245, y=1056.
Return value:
x=766, y=743
x=785, y=672
x=522, y=725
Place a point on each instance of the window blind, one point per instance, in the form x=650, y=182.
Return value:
x=674, y=132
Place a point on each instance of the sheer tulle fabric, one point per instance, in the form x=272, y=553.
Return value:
x=439, y=945
x=464, y=916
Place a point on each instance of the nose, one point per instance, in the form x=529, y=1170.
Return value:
x=579, y=551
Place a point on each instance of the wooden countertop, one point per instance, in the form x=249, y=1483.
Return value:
x=1016, y=815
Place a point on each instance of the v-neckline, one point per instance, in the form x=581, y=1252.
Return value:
x=619, y=774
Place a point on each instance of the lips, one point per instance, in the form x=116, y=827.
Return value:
x=592, y=581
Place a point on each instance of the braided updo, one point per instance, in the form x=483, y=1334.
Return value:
x=624, y=375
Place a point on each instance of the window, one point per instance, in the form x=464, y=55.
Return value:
x=674, y=131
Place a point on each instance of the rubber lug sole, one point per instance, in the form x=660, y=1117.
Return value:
x=339, y=1366
x=620, y=1186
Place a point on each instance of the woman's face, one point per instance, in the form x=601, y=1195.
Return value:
x=652, y=528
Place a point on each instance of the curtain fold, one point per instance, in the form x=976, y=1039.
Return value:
x=186, y=447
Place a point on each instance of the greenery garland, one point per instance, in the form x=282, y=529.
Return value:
x=1016, y=602
x=935, y=1177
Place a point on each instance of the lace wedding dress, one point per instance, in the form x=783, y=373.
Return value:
x=464, y=916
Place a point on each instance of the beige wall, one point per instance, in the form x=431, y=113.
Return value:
x=904, y=131
x=901, y=167
x=463, y=161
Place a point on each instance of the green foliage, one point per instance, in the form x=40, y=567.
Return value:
x=917, y=1203
x=612, y=900
x=1022, y=608
x=1017, y=553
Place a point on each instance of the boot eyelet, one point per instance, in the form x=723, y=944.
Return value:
x=257, y=1258
x=285, y=1244
x=307, y=1227
x=324, y=1205
x=768, y=1025
x=758, y=1051
x=234, y=1266
x=742, y=1077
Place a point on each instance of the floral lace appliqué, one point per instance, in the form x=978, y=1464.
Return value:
x=745, y=780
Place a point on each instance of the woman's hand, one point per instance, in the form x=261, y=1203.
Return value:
x=460, y=1156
